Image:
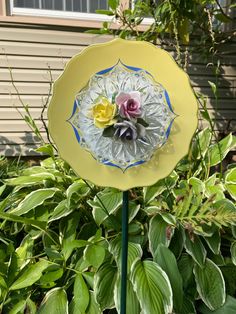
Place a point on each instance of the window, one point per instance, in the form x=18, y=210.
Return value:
x=86, y=6
x=75, y=9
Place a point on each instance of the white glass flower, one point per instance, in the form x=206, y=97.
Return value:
x=129, y=104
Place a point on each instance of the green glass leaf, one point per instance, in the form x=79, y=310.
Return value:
x=54, y=302
x=104, y=283
x=30, y=275
x=33, y=200
x=152, y=287
x=167, y=261
x=210, y=284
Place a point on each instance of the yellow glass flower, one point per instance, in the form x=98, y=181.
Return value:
x=103, y=113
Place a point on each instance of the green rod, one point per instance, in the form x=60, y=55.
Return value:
x=125, y=210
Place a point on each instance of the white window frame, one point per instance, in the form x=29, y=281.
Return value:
x=58, y=14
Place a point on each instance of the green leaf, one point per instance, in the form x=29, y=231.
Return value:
x=19, y=307
x=106, y=202
x=152, y=287
x=213, y=87
x=81, y=294
x=197, y=185
x=30, y=275
x=94, y=254
x=230, y=182
x=202, y=143
x=104, y=283
x=229, y=307
x=157, y=233
x=214, y=187
x=69, y=233
x=222, y=18
x=132, y=303
x=151, y=192
x=214, y=242
x=109, y=131
x=52, y=274
x=93, y=307
x=38, y=224
x=233, y=252
x=167, y=261
x=113, y=4
x=142, y=122
x=33, y=200
x=30, y=180
x=24, y=251
x=196, y=249
x=134, y=252
x=219, y=150
x=46, y=149
x=61, y=210
x=54, y=302
x=106, y=12
x=188, y=307
x=210, y=284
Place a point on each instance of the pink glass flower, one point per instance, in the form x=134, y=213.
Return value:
x=129, y=104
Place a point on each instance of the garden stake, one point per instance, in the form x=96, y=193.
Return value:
x=125, y=209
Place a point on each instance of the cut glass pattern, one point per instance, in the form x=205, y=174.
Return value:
x=156, y=111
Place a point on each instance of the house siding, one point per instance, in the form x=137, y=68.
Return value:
x=29, y=52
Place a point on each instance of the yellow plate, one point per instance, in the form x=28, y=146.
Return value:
x=164, y=70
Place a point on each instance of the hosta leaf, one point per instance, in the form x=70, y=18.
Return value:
x=197, y=185
x=196, y=249
x=76, y=190
x=167, y=261
x=54, y=302
x=229, y=307
x=93, y=307
x=152, y=287
x=81, y=294
x=30, y=275
x=157, y=233
x=132, y=303
x=107, y=201
x=210, y=284
x=61, y=210
x=230, y=182
x=33, y=200
x=104, y=283
x=214, y=242
x=150, y=192
x=233, y=252
x=134, y=252
x=188, y=307
x=201, y=145
x=219, y=150
x=30, y=180
x=94, y=254
x=24, y=251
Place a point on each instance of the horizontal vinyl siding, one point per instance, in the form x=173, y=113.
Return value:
x=30, y=52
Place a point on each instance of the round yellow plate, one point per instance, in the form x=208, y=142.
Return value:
x=164, y=70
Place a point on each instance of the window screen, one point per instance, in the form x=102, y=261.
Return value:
x=85, y=6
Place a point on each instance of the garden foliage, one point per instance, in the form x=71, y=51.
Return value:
x=60, y=238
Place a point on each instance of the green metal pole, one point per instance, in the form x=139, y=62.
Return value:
x=125, y=210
